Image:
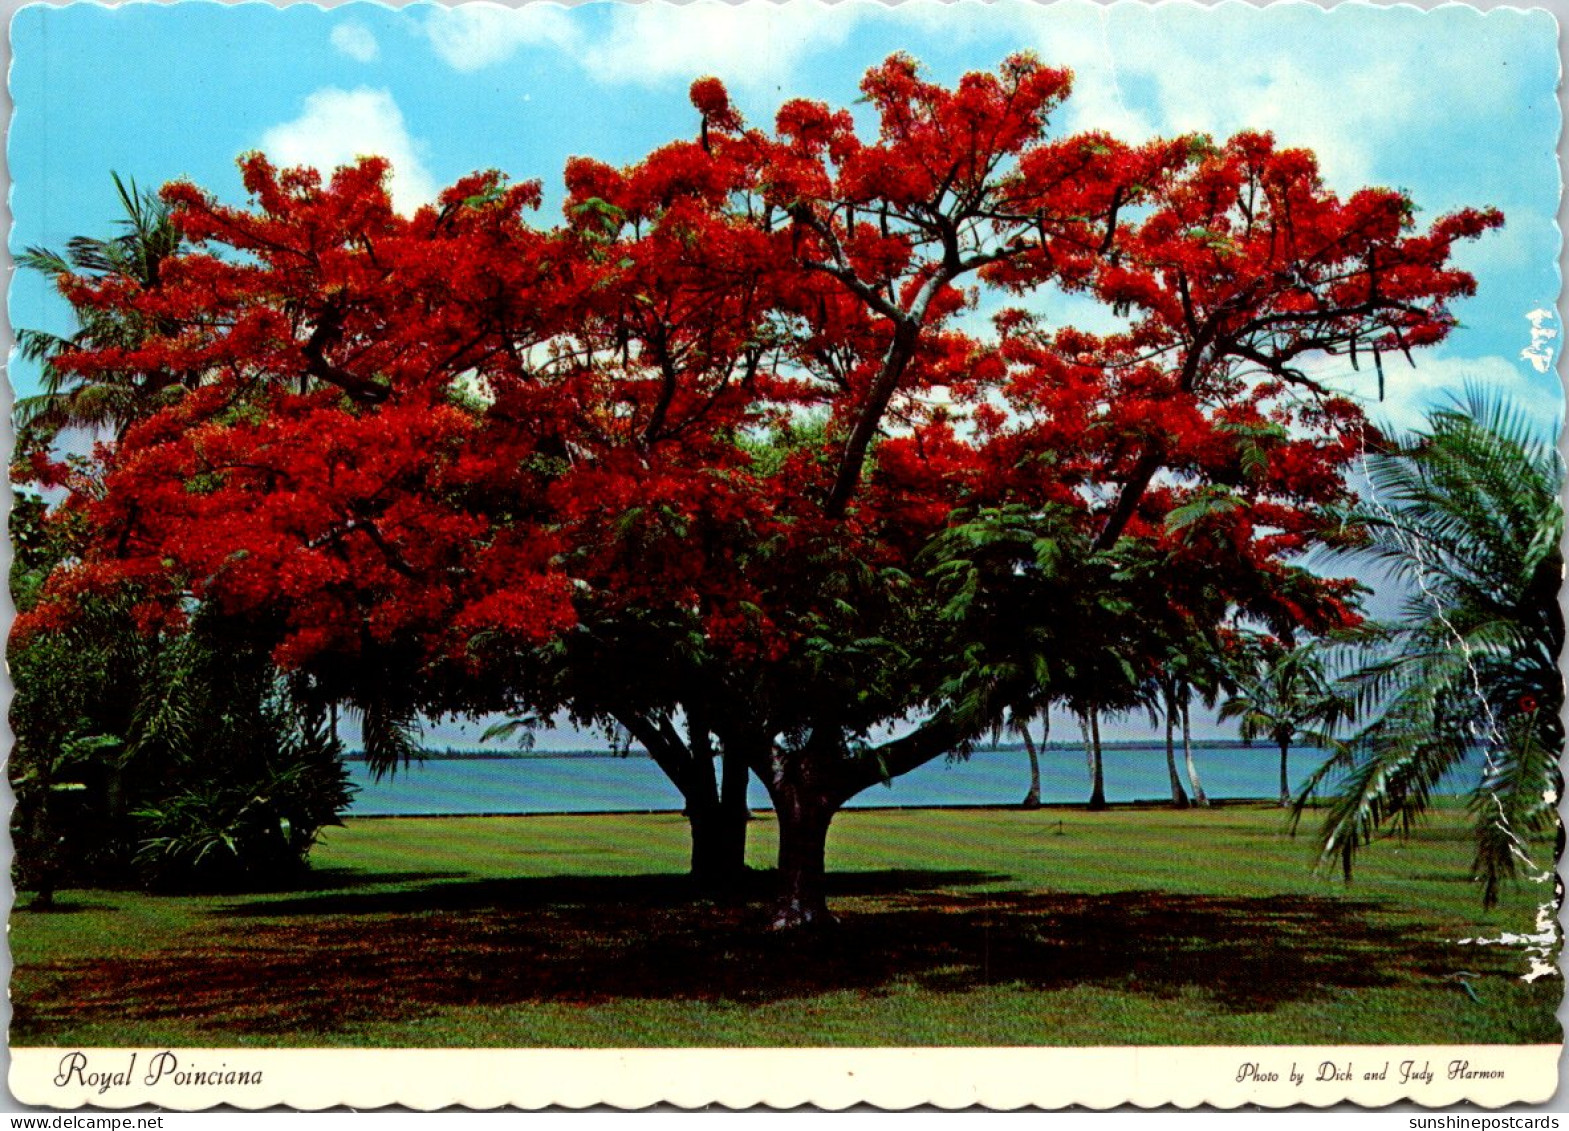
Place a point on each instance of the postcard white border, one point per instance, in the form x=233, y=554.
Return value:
x=1104, y=1077
x=429, y=1079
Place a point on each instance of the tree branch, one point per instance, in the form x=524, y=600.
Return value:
x=329, y=327
x=940, y=735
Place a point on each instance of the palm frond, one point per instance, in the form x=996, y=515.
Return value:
x=521, y=729
x=1383, y=784
x=1514, y=803
x=1467, y=511
x=43, y=260
x=40, y=345
x=175, y=697
x=390, y=736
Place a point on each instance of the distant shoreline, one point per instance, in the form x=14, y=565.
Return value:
x=454, y=754
x=765, y=813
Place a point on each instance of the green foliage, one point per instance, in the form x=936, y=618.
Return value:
x=769, y=451
x=251, y=829
x=1253, y=443
x=1037, y=615
x=71, y=716
x=1283, y=695
x=390, y=736
x=520, y=730
x=1209, y=501
x=1467, y=511
x=178, y=759
x=113, y=399
x=995, y=572
x=601, y=221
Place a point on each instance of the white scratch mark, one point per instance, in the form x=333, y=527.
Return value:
x=1540, y=948
x=1111, y=60
x=1539, y=354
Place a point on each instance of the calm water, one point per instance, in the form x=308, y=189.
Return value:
x=598, y=784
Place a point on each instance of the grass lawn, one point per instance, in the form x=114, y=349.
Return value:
x=959, y=927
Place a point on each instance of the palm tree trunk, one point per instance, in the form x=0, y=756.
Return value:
x=1179, y=797
x=1097, y=775
x=1285, y=781
x=1200, y=798
x=1032, y=800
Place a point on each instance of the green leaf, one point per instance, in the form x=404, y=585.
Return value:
x=1206, y=505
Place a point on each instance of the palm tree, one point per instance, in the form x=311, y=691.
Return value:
x=1467, y=512
x=1036, y=616
x=994, y=567
x=1021, y=727
x=112, y=400
x=1284, y=694
x=1202, y=673
x=1184, y=701
x=1089, y=726
x=1202, y=667
x=1170, y=710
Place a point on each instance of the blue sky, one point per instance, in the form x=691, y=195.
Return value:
x=1457, y=106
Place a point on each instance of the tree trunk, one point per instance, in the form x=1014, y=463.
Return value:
x=809, y=785
x=718, y=848
x=719, y=821
x=49, y=850
x=732, y=786
x=803, y=785
x=803, y=847
x=716, y=816
x=1097, y=772
x=719, y=834
x=1179, y=797
x=1200, y=798
x=1285, y=781
x=1032, y=800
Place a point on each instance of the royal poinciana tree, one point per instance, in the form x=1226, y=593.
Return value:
x=674, y=462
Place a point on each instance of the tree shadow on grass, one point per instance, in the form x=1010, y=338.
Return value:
x=319, y=879
x=601, y=893
x=329, y=963
x=30, y=906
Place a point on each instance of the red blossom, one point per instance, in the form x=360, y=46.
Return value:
x=421, y=440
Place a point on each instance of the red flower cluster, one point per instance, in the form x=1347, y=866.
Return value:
x=430, y=436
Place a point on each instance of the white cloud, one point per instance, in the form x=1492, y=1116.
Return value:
x=338, y=126
x=1141, y=80
x=1356, y=88
x=355, y=40
x=1410, y=393
x=753, y=44
x=471, y=37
